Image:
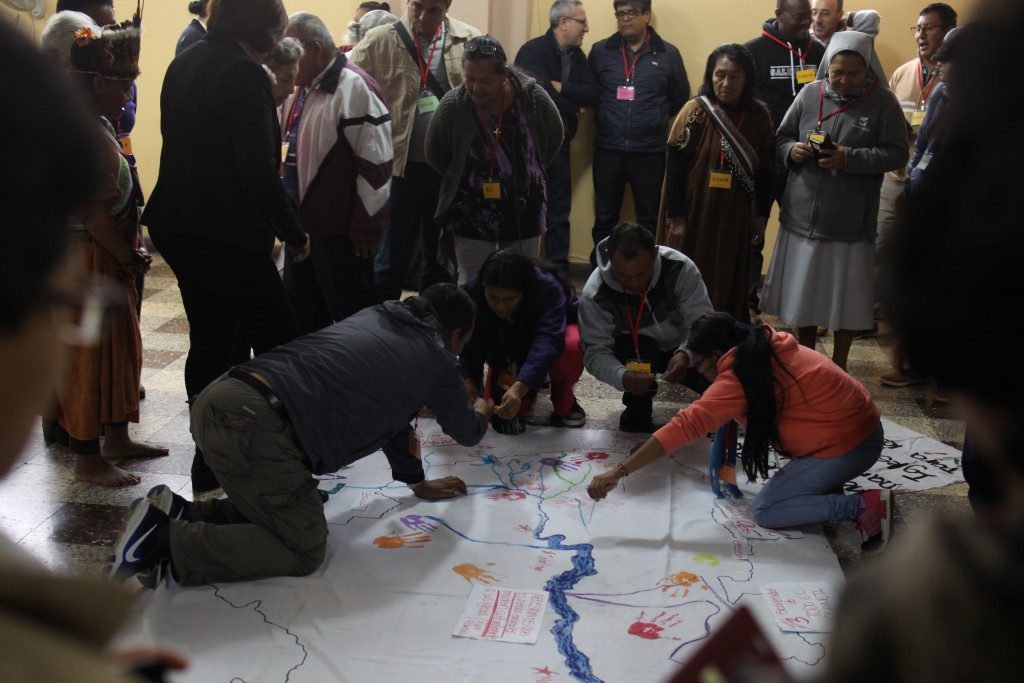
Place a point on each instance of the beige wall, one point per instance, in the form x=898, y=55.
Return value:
x=695, y=26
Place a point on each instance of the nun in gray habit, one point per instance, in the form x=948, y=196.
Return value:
x=843, y=132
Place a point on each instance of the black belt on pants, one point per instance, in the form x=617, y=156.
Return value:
x=275, y=403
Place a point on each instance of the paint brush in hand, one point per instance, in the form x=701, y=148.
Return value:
x=512, y=427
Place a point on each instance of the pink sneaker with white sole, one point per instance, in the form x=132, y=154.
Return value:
x=875, y=521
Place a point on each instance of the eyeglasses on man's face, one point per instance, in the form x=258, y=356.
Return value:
x=627, y=14
x=581, y=22
x=926, y=28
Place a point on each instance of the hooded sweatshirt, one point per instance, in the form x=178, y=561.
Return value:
x=777, y=61
x=675, y=298
x=822, y=411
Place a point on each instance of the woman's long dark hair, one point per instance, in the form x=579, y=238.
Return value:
x=740, y=55
x=509, y=270
x=753, y=366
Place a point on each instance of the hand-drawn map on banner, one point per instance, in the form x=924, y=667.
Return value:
x=635, y=583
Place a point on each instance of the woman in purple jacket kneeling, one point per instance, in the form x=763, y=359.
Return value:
x=526, y=329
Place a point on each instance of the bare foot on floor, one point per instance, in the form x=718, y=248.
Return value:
x=131, y=449
x=93, y=469
x=117, y=444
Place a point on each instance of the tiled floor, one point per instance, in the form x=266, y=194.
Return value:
x=70, y=525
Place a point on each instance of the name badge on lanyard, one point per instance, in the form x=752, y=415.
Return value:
x=427, y=103
x=492, y=190
x=805, y=76
x=720, y=180
x=917, y=118
x=625, y=92
x=639, y=365
x=126, y=144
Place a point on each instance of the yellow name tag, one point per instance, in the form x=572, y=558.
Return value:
x=284, y=151
x=720, y=180
x=427, y=105
x=126, y=144
x=804, y=76
x=492, y=190
x=917, y=118
x=816, y=137
x=638, y=366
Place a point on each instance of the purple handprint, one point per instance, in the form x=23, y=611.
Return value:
x=417, y=523
x=556, y=464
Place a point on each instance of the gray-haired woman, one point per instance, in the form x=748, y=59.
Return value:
x=283, y=65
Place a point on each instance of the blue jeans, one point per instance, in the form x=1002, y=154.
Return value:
x=804, y=490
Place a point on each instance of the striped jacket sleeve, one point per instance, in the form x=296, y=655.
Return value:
x=366, y=125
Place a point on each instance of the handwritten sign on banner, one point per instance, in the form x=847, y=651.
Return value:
x=801, y=607
x=502, y=614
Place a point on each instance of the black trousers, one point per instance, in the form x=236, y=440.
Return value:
x=413, y=205
x=612, y=170
x=557, y=237
x=332, y=284
x=225, y=292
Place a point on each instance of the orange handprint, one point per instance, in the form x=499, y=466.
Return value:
x=413, y=540
x=471, y=572
x=679, y=583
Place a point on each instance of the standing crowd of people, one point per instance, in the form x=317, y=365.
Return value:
x=423, y=156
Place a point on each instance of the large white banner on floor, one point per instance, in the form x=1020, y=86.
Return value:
x=635, y=583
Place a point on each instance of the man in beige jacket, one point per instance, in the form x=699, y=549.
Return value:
x=416, y=61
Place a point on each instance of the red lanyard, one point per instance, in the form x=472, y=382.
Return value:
x=739, y=127
x=821, y=101
x=296, y=111
x=493, y=141
x=425, y=69
x=792, y=49
x=932, y=80
x=629, y=68
x=634, y=327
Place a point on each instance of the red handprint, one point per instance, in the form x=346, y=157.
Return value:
x=653, y=629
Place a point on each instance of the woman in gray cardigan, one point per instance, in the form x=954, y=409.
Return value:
x=491, y=140
x=841, y=135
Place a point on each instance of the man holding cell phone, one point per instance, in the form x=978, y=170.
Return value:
x=843, y=132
